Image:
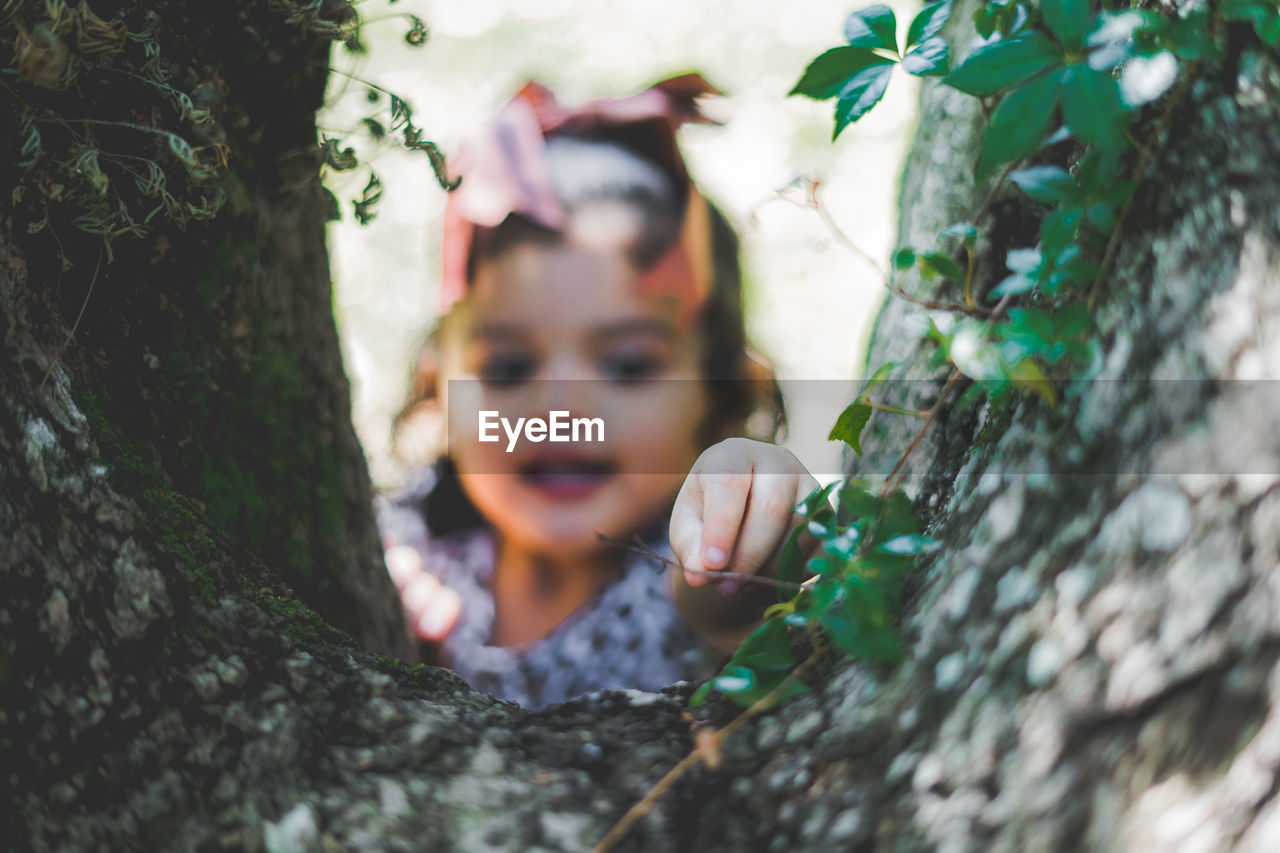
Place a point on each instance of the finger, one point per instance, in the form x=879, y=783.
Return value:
x=404, y=563
x=768, y=518
x=724, y=504
x=685, y=530
x=440, y=615
x=418, y=593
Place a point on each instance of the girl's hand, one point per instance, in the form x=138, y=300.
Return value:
x=736, y=508
x=431, y=609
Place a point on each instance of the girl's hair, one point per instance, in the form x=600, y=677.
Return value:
x=587, y=172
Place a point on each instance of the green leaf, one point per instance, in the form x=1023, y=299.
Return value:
x=1091, y=105
x=1004, y=64
x=1191, y=37
x=790, y=562
x=1072, y=320
x=842, y=547
x=899, y=506
x=1060, y=227
x=1068, y=20
x=848, y=427
x=825, y=565
x=1026, y=261
x=1026, y=374
x=874, y=26
x=767, y=649
x=961, y=229
x=700, y=696
x=182, y=149
x=766, y=683
x=896, y=519
x=985, y=20
x=734, y=679
x=857, y=500
x=1116, y=27
x=1019, y=123
x=927, y=59
x=939, y=263
x=904, y=258
x=1097, y=169
x=1145, y=78
x=929, y=22
x=761, y=663
x=862, y=92
x=878, y=378
x=859, y=622
x=1102, y=216
x=1013, y=285
x=1047, y=184
x=816, y=501
x=911, y=544
x=827, y=75
x=1076, y=272
x=881, y=564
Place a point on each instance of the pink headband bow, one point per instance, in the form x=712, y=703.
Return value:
x=504, y=171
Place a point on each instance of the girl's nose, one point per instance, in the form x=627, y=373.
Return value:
x=567, y=366
x=567, y=383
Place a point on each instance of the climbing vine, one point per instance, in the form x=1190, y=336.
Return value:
x=1064, y=86
x=110, y=135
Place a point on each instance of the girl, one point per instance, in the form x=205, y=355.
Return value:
x=584, y=275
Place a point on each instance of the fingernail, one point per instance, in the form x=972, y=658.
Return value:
x=714, y=557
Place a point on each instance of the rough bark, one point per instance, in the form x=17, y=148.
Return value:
x=1092, y=657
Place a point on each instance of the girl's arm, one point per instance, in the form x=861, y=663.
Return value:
x=733, y=513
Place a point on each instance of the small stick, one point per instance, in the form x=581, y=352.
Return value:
x=637, y=546
x=76, y=325
x=845, y=240
x=642, y=808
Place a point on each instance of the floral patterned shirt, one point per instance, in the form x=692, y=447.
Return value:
x=628, y=634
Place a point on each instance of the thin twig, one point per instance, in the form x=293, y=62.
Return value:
x=76, y=325
x=646, y=804
x=888, y=282
x=637, y=546
x=893, y=479
x=891, y=482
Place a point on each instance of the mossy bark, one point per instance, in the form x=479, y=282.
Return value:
x=1092, y=655
x=205, y=355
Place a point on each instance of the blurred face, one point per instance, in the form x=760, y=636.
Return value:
x=563, y=328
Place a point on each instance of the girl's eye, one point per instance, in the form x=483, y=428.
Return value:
x=630, y=367
x=507, y=369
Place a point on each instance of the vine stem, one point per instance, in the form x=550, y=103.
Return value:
x=638, y=547
x=696, y=756
x=895, y=476
x=1144, y=160
x=932, y=414
x=838, y=233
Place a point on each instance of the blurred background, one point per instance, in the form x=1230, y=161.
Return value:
x=810, y=301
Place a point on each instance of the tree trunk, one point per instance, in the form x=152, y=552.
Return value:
x=1091, y=655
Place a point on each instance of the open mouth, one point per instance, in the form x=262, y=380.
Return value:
x=566, y=476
